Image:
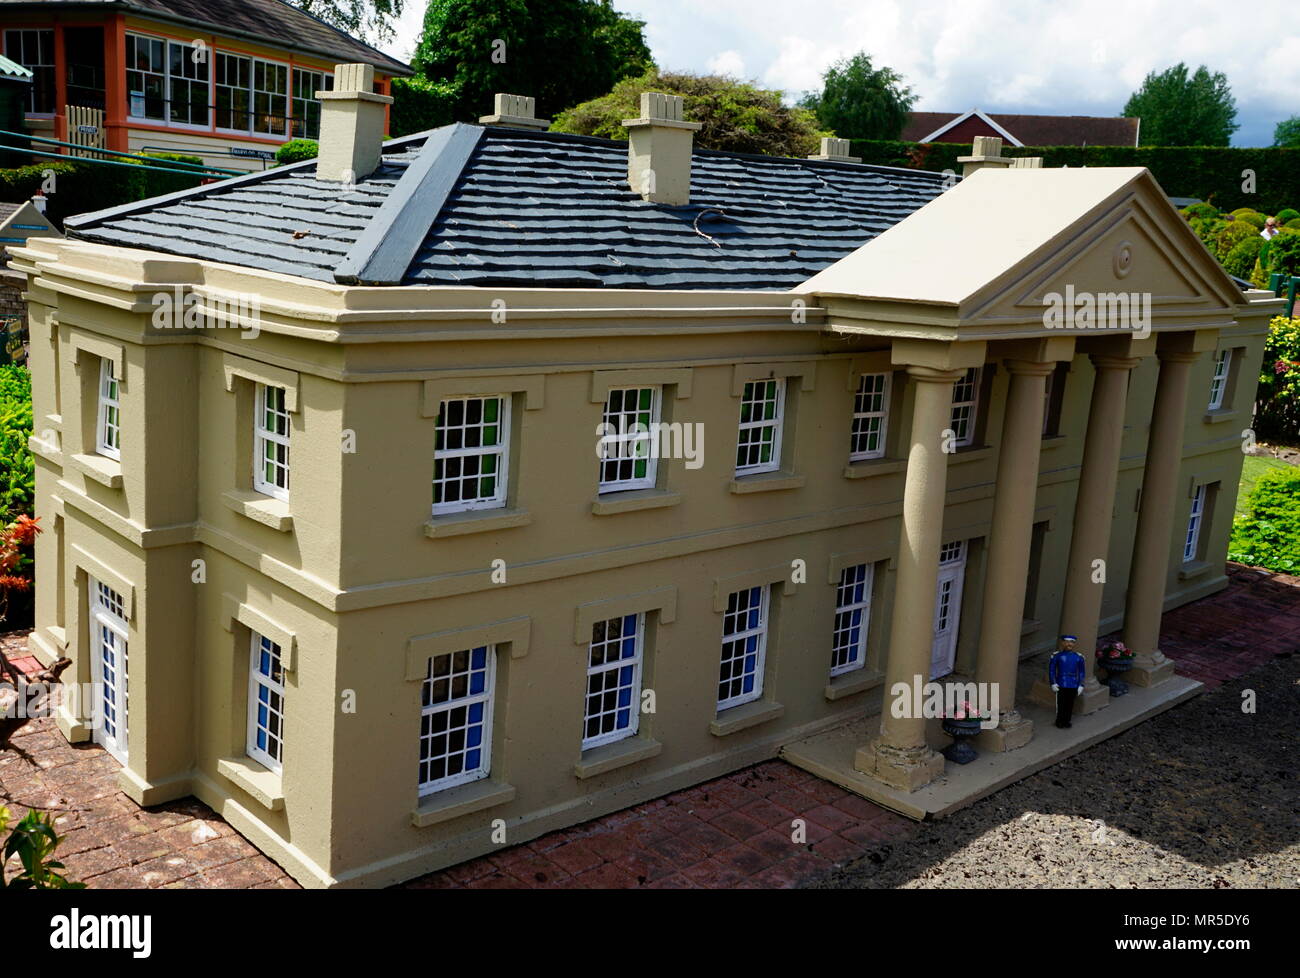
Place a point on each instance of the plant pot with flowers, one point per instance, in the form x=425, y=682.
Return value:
x=1116, y=658
x=962, y=724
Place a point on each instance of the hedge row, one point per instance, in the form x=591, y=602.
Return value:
x=1208, y=172
x=82, y=185
x=17, y=467
x=1268, y=533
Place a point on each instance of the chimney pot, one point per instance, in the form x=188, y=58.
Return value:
x=1027, y=163
x=659, y=149
x=351, y=125
x=987, y=153
x=514, y=112
x=835, y=150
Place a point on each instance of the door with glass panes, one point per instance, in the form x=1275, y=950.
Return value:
x=108, y=651
x=947, y=608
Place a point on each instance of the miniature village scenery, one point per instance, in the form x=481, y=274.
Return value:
x=615, y=444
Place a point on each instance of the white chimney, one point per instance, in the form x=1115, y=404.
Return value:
x=515, y=112
x=659, y=150
x=986, y=152
x=351, y=125
x=835, y=150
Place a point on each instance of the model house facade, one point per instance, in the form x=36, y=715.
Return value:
x=488, y=494
x=227, y=80
x=1017, y=129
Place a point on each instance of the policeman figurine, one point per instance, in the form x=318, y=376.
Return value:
x=1066, y=672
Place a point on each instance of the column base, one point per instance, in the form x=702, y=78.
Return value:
x=1013, y=731
x=907, y=768
x=1094, y=697
x=1150, y=670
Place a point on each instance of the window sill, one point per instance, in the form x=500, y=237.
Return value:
x=975, y=454
x=851, y=683
x=101, y=468
x=875, y=466
x=1051, y=441
x=1215, y=417
x=621, y=753
x=742, y=717
x=263, y=785
x=443, y=806
x=266, y=510
x=634, y=501
x=475, y=521
x=1194, y=569
x=766, y=482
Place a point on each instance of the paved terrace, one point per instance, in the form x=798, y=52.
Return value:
x=730, y=832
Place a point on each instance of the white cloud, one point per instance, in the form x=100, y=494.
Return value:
x=728, y=63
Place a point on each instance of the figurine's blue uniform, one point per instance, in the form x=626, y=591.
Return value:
x=1068, y=671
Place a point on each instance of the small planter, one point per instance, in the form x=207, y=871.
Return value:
x=959, y=751
x=1115, y=668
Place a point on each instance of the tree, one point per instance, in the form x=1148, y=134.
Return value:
x=366, y=19
x=1287, y=133
x=735, y=116
x=1178, y=109
x=860, y=101
x=560, y=52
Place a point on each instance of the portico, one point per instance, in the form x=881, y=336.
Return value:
x=982, y=300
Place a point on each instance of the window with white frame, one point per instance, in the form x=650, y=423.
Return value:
x=34, y=49
x=1192, y=542
x=456, y=718
x=628, y=453
x=469, y=454
x=146, y=77
x=234, y=85
x=758, y=447
x=188, y=85
x=266, y=703
x=852, y=618
x=870, y=414
x=965, y=402
x=306, y=107
x=744, y=647
x=271, y=443
x=270, y=98
x=613, y=680
x=108, y=425
x=1219, y=383
x=952, y=553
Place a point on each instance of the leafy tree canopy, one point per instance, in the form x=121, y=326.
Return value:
x=370, y=20
x=1287, y=133
x=736, y=116
x=560, y=52
x=861, y=101
x=1178, y=108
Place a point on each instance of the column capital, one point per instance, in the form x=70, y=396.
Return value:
x=933, y=375
x=1031, y=368
x=1105, y=361
x=1178, y=356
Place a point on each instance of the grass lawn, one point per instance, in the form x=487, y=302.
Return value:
x=1254, y=466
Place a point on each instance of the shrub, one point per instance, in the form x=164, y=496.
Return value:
x=1240, y=261
x=297, y=150
x=1284, y=253
x=16, y=579
x=1287, y=214
x=1293, y=223
x=1257, y=276
x=1231, y=236
x=81, y=186
x=1268, y=533
x=1206, y=212
x=1253, y=218
x=1277, y=401
x=420, y=104
x=17, y=467
x=1208, y=230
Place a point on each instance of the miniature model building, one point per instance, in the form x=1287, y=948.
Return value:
x=375, y=554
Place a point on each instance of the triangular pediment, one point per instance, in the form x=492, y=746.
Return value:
x=988, y=254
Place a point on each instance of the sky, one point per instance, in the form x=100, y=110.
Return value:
x=1054, y=57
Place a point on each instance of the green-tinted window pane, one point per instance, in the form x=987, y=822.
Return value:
x=765, y=454
x=640, y=467
x=769, y=410
x=490, y=409
x=488, y=464
x=645, y=399
x=487, y=486
x=744, y=412
x=490, y=435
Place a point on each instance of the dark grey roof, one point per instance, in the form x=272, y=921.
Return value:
x=271, y=22
x=465, y=205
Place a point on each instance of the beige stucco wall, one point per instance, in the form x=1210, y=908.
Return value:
x=357, y=577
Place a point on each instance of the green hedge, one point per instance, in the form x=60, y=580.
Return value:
x=1268, y=534
x=1277, y=402
x=420, y=104
x=1211, y=173
x=297, y=150
x=17, y=467
x=82, y=185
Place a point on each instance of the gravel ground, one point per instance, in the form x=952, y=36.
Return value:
x=1203, y=796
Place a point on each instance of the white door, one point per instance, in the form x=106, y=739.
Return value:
x=108, y=635
x=947, y=608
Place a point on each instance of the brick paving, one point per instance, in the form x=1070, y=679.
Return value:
x=734, y=832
